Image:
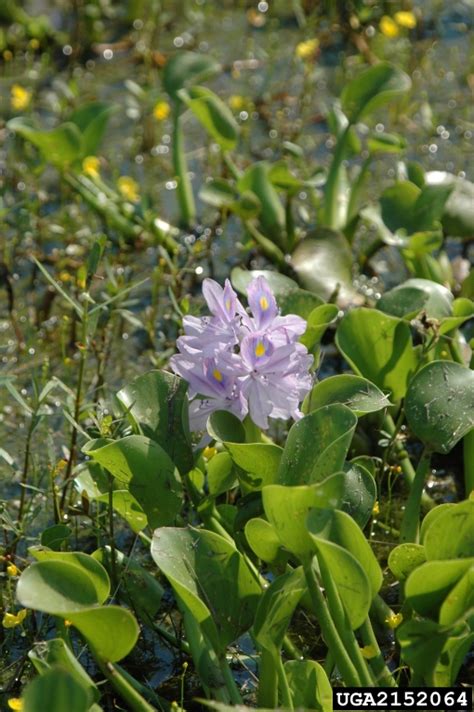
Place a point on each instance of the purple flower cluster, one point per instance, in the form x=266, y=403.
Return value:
x=244, y=363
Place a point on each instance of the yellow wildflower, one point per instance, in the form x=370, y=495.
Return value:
x=405, y=18
x=307, y=49
x=376, y=509
x=91, y=166
x=34, y=43
x=15, y=703
x=7, y=55
x=20, y=97
x=67, y=623
x=368, y=652
x=236, y=102
x=13, y=570
x=11, y=620
x=161, y=110
x=209, y=452
x=129, y=188
x=394, y=620
x=389, y=27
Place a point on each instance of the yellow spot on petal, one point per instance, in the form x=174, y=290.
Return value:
x=91, y=166
x=368, y=652
x=389, y=27
x=307, y=49
x=375, y=509
x=15, y=703
x=405, y=18
x=161, y=110
x=128, y=188
x=259, y=349
x=394, y=620
x=13, y=570
x=264, y=303
x=20, y=97
x=228, y=304
x=217, y=375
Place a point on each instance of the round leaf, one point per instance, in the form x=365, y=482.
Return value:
x=56, y=690
x=263, y=540
x=309, y=685
x=439, y=404
x=451, y=535
x=111, y=631
x=414, y=295
x=429, y=584
x=458, y=214
x=260, y=460
x=224, y=426
x=213, y=114
x=186, y=68
x=56, y=587
x=88, y=564
x=355, y=392
x=405, y=558
x=373, y=88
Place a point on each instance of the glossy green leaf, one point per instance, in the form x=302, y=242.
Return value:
x=405, y=558
x=459, y=600
x=210, y=579
x=157, y=405
x=276, y=608
x=55, y=652
x=339, y=528
x=373, y=88
x=323, y=263
x=286, y=508
x=355, y=392
x=453, y=656
x=221, y=475
x=224, y=426
x=451, y=535
x=263, y=540
x=439, y=404
x=111, y=631
x=125, y=504
x=317, y=445
x=88, y=564
x=186, y=68
x=431, y=516
x=397, y=205
x=428, y=585
x=280, y=284
x=55, y=536
x=413, y=296
x=309, y=685
x=378, y=347
x=458, y=214
x=463, y=310
x=213, y=115
x=304, y=303
x=57, y=690
x=260, y=460
x=60, y=146
x=421, y=643
x=56, y=587
x=147, y=471
x=317, y=322
x=359, y=494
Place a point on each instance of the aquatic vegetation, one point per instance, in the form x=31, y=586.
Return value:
x=238, y=395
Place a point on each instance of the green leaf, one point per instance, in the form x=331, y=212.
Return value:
x=360, y=492
x=55, y=536
x=56, y=587
x=317, y=322
x=439, y=404
x=57, y=690
x=221, y=475
x=263, y=540
x=210, y=579
x=60, y=146
x=95, y=571
x=463, y=310
x=304, y=303
x=379, y=348
x=373, y=88
x=428, y=585
x=431, y=516
x=56, y=653
x=111, y=631
x=280, y=284
x=276, y=608
x=386, y=143
x=157, y=405
x=405, y=558
x=286, y=508
x=323, y=263
x=397, y=205
x=458, y=214
x=355, y=392
x=91, y=119
x=125, y=504
x=317, y=445
x=451, y=535
x=148, y=473
x=421, y=643
x=339, y=528
x=411, y=297
x=309, y=685
x=453, y=656
x=186, y=68
x=224, y=426
x=260, y=460
x=272, y=216
x=459, y=601
x=219, y=193
x=213, y=115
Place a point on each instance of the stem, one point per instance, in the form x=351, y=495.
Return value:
x=185, y=191
x=411, y=515
x=232, y=688
x=382, y=674
x=234, y=171
x=127, y=692
x=329, y=630
x=268, y=681
x=468, y=450
x=268, y=248
x=26, y=464
x=286, y=698
x=331, y=194
x=113, y=563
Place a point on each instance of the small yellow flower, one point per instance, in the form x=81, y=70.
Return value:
x=64, y=276
x=11, y=620
x=15, y=703
x=67, y=623
x=209, y=452
x=368, y=652
x=20, y=97
x=405, y=18
x=13, y=570
x=236, y=102
x=7, y=55
x=389, y=27
x=376, y=509
x=307, y=49
x=161, y=110
x=34, y=43
x=91, y=166
x=394, y=620
x=129, y=188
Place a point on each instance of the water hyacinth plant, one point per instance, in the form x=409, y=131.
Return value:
x=236, y=340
